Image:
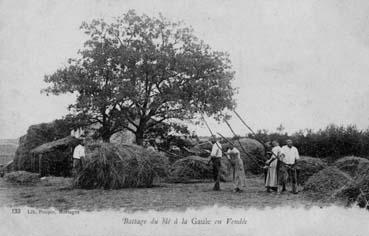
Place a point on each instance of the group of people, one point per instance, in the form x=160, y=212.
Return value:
x=281, y=166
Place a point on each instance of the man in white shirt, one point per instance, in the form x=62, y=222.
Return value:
x=78, y=155
x=289, y=157
x=215, y=158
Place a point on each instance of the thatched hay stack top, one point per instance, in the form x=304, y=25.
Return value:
x=57, y=144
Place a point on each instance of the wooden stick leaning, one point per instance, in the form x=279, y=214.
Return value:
x=248, y=154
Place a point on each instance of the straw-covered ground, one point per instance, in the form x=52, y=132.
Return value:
x=57, y=192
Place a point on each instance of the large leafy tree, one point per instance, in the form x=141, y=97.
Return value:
x=139, y=71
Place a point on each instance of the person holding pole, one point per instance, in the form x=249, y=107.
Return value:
x=239, y=177
x=271, y=182
x=215, y=158
x=289, y=157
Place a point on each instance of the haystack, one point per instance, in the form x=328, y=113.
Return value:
x=252, y=152
x=195, y=168
x=37, y=135
x=189, y=168
x=356, y=192
x=54, y=158
x=114, y=166
x=354, y=166
x=308, y=166
x=22, y=177
x=324, y=183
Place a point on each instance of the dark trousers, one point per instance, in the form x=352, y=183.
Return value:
x=292, y=173
x=288, y=173
x=216, y=172
x=77, y=166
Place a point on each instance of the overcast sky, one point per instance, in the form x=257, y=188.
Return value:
x=303, y=64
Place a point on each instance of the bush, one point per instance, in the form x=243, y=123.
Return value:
x=22, y=177
x=332, y=142
x=115, y=166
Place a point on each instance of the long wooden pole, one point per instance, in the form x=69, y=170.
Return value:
x=211, y=132
x=252, y=131
x=239, y=117
x=235, y=135
x=247, y=154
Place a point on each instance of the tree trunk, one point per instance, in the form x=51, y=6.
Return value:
x=106, y=138
x=105, y=133
x=140, y=135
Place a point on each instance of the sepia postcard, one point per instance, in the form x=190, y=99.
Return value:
x=184, y=117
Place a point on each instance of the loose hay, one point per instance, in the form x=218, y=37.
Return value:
x=114, y=166
x=356, y=192
x=325, y=182
x=192, y=168
x=308, y=166
x=189, y=168
x=22, y=177
x=354, y=166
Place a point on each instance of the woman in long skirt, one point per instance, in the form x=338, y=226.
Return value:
x=271, y=182
x=239, y=177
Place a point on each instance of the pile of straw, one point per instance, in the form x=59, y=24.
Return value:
x=354, y=166
x=193, y=168
x=189, y=168
x=22, y=177
x=115, y=166
x=356, y=192
x=308, y=166
x=324, y=183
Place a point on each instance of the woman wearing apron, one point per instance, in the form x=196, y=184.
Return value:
x=239, y=177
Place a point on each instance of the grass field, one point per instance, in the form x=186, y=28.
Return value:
x=57, y=193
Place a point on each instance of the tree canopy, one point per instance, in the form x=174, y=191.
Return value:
x=139, y=71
